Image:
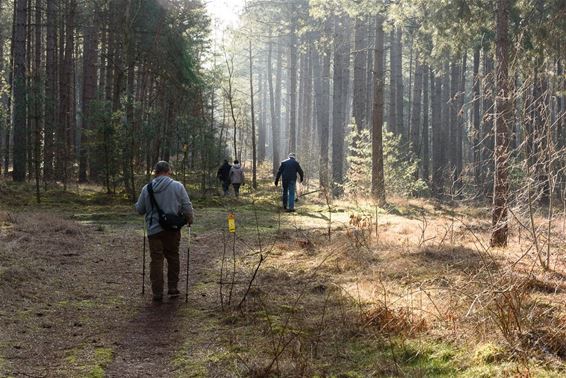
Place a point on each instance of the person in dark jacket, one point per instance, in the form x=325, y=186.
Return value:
x=224, y=176
x=288, y=171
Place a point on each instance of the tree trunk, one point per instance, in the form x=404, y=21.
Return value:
x=401, y=129
x=254, y=150
x=37, y=99
x=452, y=120
x=360, y=83
x=437, y=135
x=445, y=107
x=9, y=110
x=262, y=119
x=561, y=112
x=340, y=98
x=89, y=94
x=392, y=126
x=108, y=134
x=307, y=129
x=20, y=92
x=293, y=89
x=3, y=98
x=487, y=127
x=369, y=72
x=377, y=173
x=425, y=160
x=50, y=92
x=301, y=109
x=274, y=129
x=502, y=123
x=30, y=119
x=416, y=110
x=461, y=124
x=278, y=92
x=322, y=98
x=476, y=133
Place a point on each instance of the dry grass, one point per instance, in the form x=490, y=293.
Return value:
x=417, y=297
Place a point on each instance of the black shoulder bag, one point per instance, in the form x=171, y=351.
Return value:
x=172, y=222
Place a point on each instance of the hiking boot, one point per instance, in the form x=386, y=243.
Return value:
x=173, y=293
x=290, y=210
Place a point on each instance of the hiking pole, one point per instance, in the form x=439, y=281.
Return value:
x=188, y=262
x=143, y=260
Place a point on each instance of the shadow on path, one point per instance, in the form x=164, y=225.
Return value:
x=148, y=341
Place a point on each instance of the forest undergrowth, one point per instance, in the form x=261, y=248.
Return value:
x=336, y=289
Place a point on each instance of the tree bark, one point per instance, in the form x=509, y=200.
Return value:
x=461, y=124
x=502, y=122
x=453, y=120
x=392, y=119
x=437, y=135
x=307, y=127
x=278, y=147
x=322, y=98
x=20, y=92
x=369, y=71
x=425, y=156
x=262, y=119
x=487, y=126
x=377, y=171
x=416, y=110
x=50, y=92
x=9, y=110
x=274, y=125
x=360, y=83
x=3, y=98
x=476, y=131
x=293, y=89
x=89, y=94
x=37, y=99
x=340, y=98
x=401, y=129
x=254, y=147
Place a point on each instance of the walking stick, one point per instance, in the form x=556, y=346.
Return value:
x=143, y=269
x=188, y=262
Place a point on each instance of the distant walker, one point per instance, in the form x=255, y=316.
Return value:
x=288, y=171
x=237, y=177
x=224, y=176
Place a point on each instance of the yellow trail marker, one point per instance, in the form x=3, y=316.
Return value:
x=231, y=222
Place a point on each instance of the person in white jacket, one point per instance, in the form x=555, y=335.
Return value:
x=171, y=197
x=237, y=177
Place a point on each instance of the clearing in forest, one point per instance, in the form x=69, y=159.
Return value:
x=416, y=293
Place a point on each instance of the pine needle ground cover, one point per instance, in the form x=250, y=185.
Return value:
x=417, y=293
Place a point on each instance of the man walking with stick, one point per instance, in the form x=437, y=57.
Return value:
x=167, y=208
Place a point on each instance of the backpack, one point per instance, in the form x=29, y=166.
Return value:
x=171, y=222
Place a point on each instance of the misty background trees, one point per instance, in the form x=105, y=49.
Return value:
x=458, y=101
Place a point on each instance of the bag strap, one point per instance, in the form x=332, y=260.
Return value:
x=152, y=198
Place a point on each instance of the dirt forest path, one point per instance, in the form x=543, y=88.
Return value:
x=150, y=341
x=76, y=308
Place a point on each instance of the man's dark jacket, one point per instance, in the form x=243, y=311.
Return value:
x=288, y=170
x=224, y=172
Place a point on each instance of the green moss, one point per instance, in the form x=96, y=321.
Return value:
x=71, y=359
x=488, y=354
x=2, y=366
x=90, y=362
x=103, y=356
x=189, y=366
x=96, y=372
